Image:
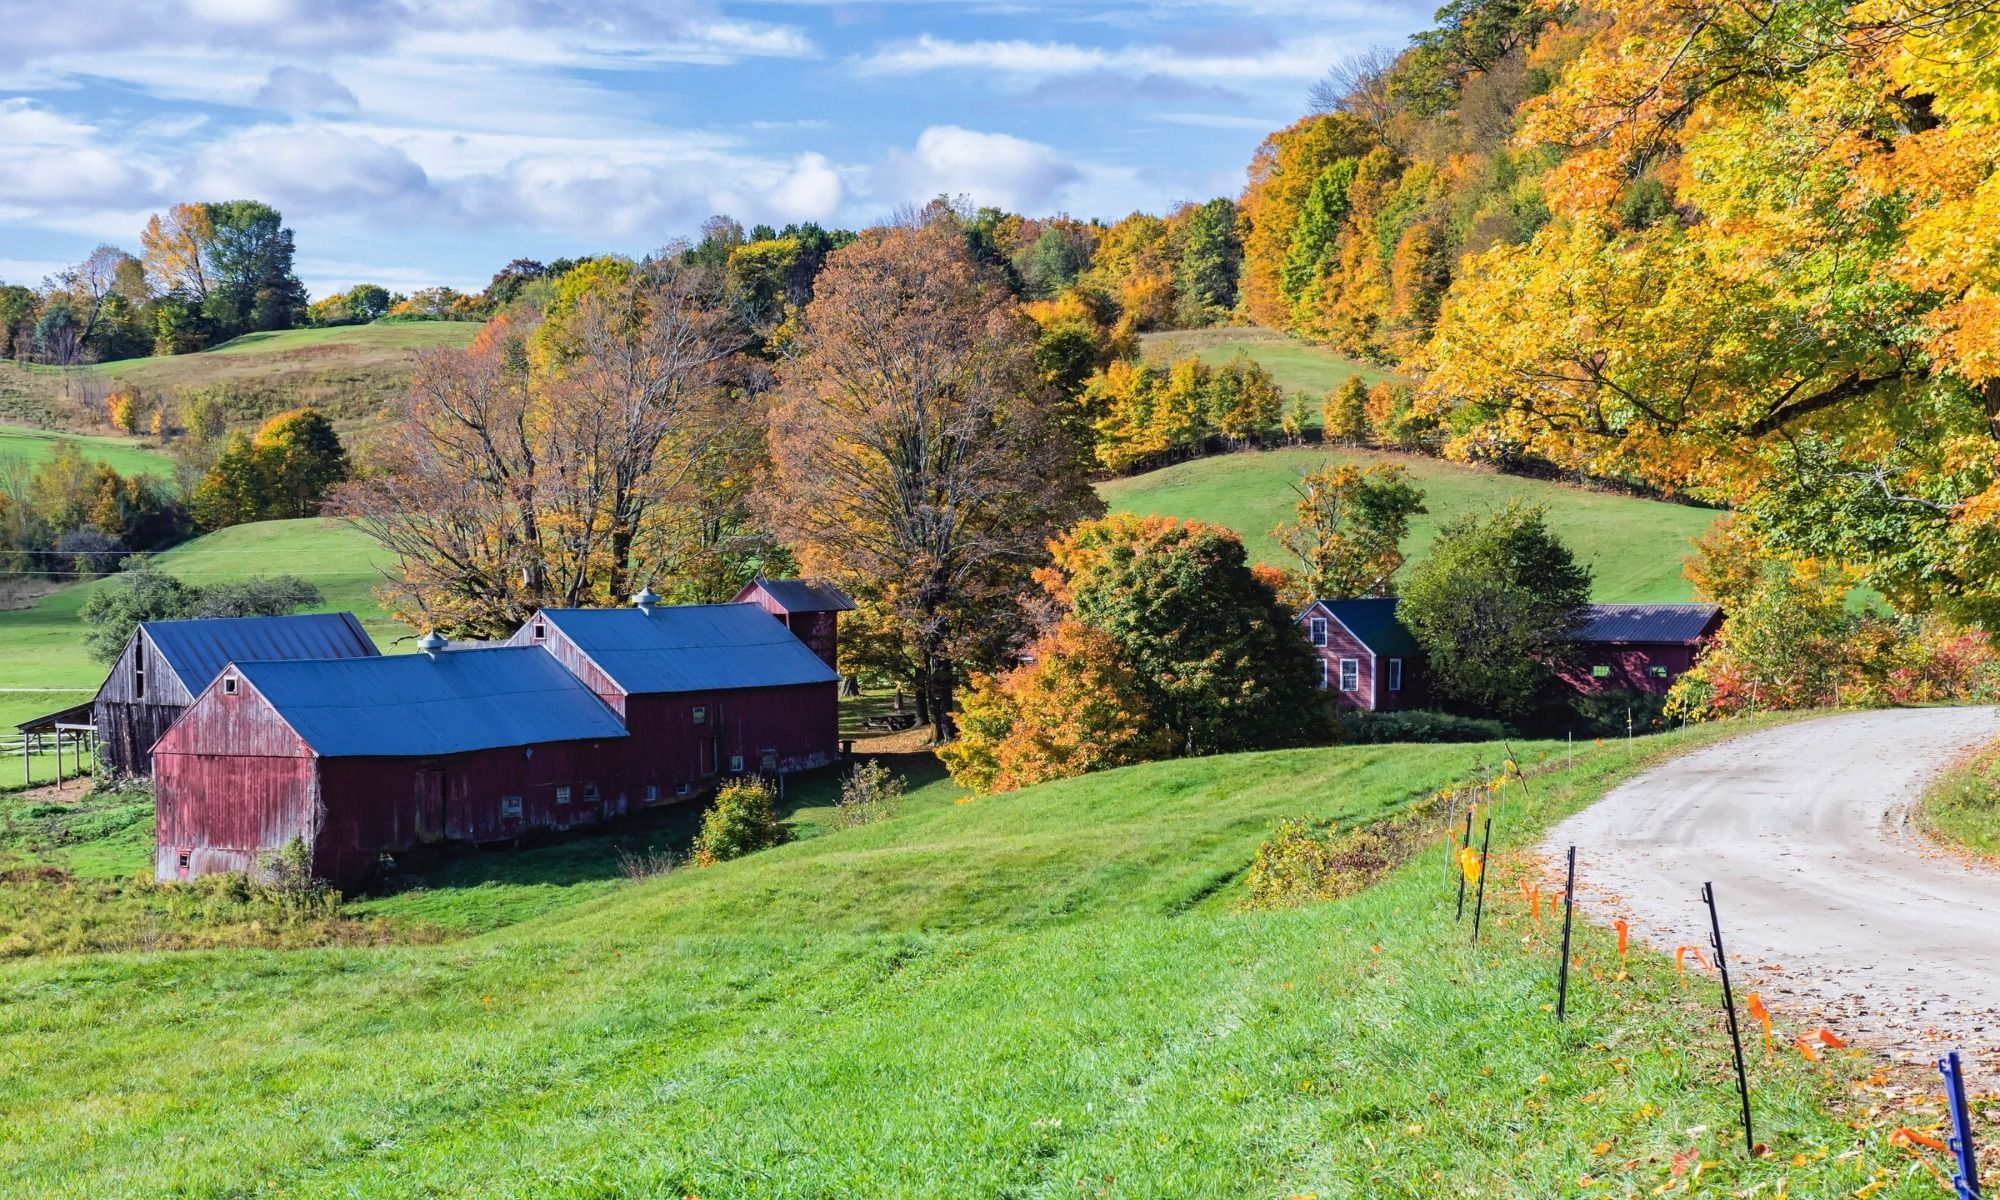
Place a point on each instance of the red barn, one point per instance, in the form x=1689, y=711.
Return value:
x=810, y=608
x=1640, y=647
x=706, y=689
x=1365, y=655
x=366, y=756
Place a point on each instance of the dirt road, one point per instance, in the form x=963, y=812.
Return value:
x=1832, y=905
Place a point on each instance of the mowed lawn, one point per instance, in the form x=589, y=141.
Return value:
x=127, y=456
x=42, y=661
x=1040, y=995
x=1295, y=365
x=348, y=344
x=1634, y=546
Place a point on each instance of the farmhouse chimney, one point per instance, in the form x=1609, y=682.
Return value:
x=645, y=600
x=431, y=644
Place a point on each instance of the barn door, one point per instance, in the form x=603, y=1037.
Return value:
x=430, y=804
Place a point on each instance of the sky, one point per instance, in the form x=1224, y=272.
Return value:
x=420, y=142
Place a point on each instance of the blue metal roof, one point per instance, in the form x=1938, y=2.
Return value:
x=690, y=648
x=1674, y=623
x=802, y=595
x=411, y=705
x=196, y=651
x=1373, y=621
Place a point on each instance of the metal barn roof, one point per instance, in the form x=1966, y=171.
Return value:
x=1680, y=623
x=1374, y=622
x=411, y=705
x=196, y=651
x=690, y=648
x=801, y=595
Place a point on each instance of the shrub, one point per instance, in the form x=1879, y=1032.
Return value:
x=743, y=819
x=639, y=867
x=870, y=793
x=1418, y=725
x=288, y=878
x=1298, y=866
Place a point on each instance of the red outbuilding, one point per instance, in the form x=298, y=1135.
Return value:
x=1640, y=647
x=810, y=608
x=366, y=756
x=1366, y=658
x=706, y=690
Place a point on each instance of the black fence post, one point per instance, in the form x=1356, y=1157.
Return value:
x=1569, y=905
x=1464, y=846
x=1729, y=1010
x=1479, y=905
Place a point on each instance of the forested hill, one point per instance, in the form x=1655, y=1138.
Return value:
x=1740, y=250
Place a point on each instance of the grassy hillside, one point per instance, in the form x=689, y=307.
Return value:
x=42, y=663
x=1048, y=994
x=350, y=372
x=1296, y=366
x=128, y=456
x=1635, y=546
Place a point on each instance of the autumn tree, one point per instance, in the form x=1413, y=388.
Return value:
x=1348, y=532
x=1495, y=605
x=1344, y=415
x=919, y=459
x=1282, y=177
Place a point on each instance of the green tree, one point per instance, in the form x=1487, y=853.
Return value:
x=1349, y=531
x=1211, y=256
x=141, y=593
x=1218, y=664
x=299, y=459
x=233, y=491
x=1495, y=606
x=1316, y=235
x=252, y=286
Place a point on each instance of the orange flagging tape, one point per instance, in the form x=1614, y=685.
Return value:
x=1624, y=932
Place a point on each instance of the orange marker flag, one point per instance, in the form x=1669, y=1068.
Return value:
x=1910, y=1137
x=1761, y=1015
x=1830, y=1038
x=1532, y=893
x=1680, y=960
x=1805, y=1048
x=1624, y=932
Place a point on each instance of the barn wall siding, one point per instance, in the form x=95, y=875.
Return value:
x=1630, y=666
x=575, y=660
x=224, y=810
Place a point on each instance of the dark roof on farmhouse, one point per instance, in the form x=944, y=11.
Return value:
x=411, y=705
x=803, y=595
x=690, y=648
x=1374, y=622
x=1647, y=622
x=197, y=650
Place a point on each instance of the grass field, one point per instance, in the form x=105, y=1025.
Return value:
x=41, y=648
x=127, y=456
x=1046, y=994
x=1963, y=805
x=1635, y=546
x=1296, y=366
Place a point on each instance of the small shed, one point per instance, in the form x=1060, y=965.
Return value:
x=64, y=730
x=166, y=664
x=366, y=756
x=1366, y=656
x=810, y=608
x=706, y=690
x=1639, y=647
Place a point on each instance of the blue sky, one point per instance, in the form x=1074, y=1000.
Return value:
x=429, y=141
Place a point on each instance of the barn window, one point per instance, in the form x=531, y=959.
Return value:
x=139, y=671
x=590, y=793
x=510, y=806
x=682, y=790
x=652, y=792
x=562, y=795
x=768, y=760
x=229, y=685
x=1600, y=671
x=700, y=715
x=1322, y=674
x=1350, y=674
x=186, y=856
x=1395, y=674
x=1657, y=671
x=1319, y=631
x=736, y=763
x=541, y=632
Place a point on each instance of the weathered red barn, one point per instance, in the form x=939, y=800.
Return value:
x=165, y=664
x=1366, y=657
x=706, y=689
x=1640, y=647
x=810, y=608
x=361, y=757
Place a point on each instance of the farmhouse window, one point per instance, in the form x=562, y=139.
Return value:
x=1350, y=674
x=1322, y=674
x=652, y=792
x=700, y=715
x=1395, y=674
x=1319, y=631
x=736, y=763
x=1657, y=671
x=229, y=685
x=590, y=793
x=510, y=806
x=541, y=631
x=562, y=795
x=1600, y=671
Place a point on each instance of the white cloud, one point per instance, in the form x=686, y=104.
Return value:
x=301, y=89
x=50, y=161
x=992, y=168
x=1293, y=58
x=812, y=191
x=309, y=169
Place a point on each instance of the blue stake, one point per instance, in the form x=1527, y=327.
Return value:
x=1966, y=1179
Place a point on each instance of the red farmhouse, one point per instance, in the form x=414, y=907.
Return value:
x=1640, y=647
x=367, y=756
x=1365, y=655
x=705, y=689
x=810, y=608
